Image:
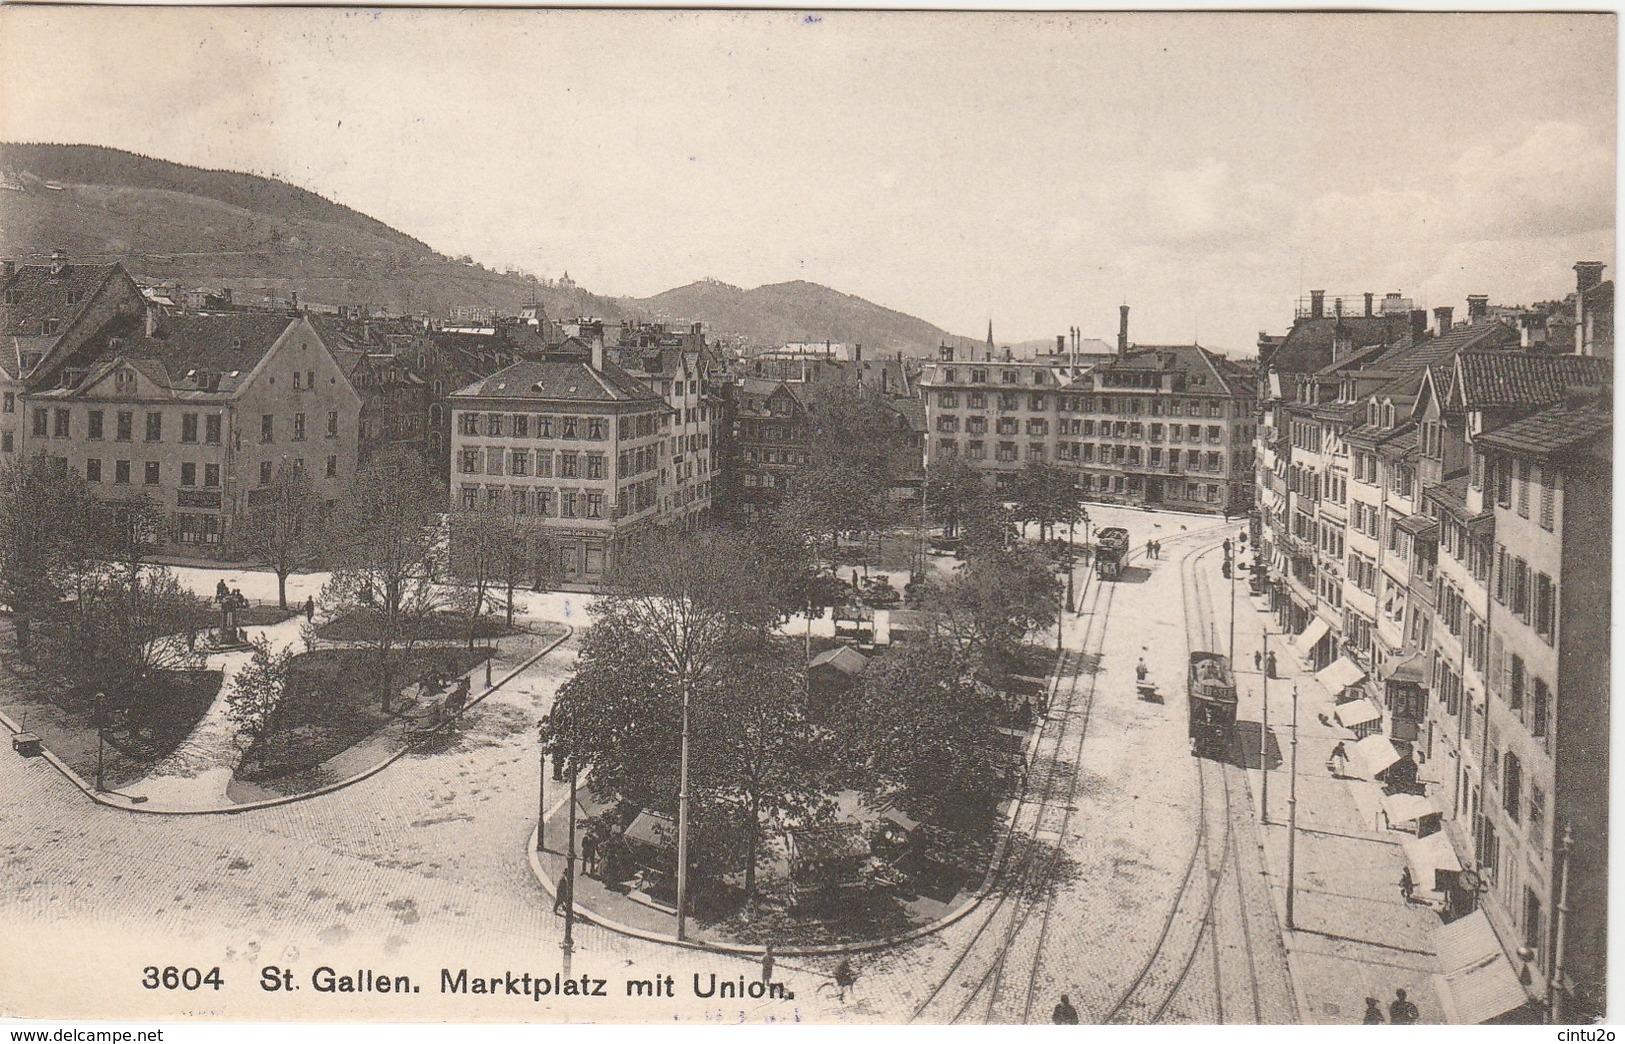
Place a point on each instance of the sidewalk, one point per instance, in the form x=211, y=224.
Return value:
x=1354, y=935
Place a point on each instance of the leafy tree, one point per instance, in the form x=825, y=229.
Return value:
x=1048, y=496
x=256, y=691
x=284, y=527
x=831, y=501
x=954, y=492
x=994, y=603
x=388, y=546
x=43, y=534
x=924, y=725
x=131, y=627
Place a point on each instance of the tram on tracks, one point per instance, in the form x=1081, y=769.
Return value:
x=1111, y=552
x=1212, y=697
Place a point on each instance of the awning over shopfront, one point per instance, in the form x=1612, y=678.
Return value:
x=1407, y=812
x=1340, y=675
x=1426, y=856
x=1357, y=713
x=1373, y=755
x=1304, y=644
x=1478, y=984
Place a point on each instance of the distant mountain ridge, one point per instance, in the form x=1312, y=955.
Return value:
x=257, y=234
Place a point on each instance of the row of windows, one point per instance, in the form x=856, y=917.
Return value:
x=152, y=472
x=1123, y=405
x=58, y=423
x=548, y=426
x=523, y=463
x=1531, y=596
x=546, y=503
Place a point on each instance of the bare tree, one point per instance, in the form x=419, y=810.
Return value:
x=284, y=525
x=43, y=531
x=389, y=545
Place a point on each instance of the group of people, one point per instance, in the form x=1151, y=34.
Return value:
x=1153, y=549
x=1401, y=1012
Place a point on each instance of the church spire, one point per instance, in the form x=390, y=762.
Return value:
x=990, y=334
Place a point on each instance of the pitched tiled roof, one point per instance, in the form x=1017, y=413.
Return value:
x=1307, y=347
x=572, y=380
x=1486, y=380
x=1553, y=431
x=36, y=295
x=1404, y=368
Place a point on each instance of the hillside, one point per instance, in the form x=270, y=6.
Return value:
x=254, y=234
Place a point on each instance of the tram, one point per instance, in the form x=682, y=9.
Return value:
x=1212, y=697
x=1111, y=552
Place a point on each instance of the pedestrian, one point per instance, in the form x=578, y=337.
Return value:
x=191, y=638
x=1065, y=1014
x=1402, y=1012
x=561, y=897
x=1407, y=884
x=1269, y=665
x=1158, y=547
x=1150, y=549
x=845, y=977
x=310, y=608
x=767, y=963
x=1258, y=661
x=1373, y=1012
x=1140, y=669
x=220, y=591
x=1337, y=760
x=589, y=853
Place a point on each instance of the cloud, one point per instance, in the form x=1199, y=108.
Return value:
x=1206, y=206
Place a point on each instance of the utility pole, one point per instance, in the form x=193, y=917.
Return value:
x=1071, y=564
x=1557, y=1001
x=1292, y=819
x=1264, y=736
x=682, y=823
x=100, y=730
x=541, y=797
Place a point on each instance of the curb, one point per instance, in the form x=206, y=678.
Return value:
x=100, y=798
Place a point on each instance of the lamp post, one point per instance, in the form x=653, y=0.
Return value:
x=1071, y=564
x=100, y=732
x=1264, y=736
x=1292, y=819
x=541, y=791
x=569, y=944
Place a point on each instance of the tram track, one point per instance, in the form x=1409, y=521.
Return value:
x=978, y=971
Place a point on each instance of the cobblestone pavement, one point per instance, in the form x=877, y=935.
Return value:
x=423, y=867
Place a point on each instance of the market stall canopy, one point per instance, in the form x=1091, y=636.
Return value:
x=1426, y=856
x=1360, y=712
x=838, y=843
x=1304, y=644
x=843, y=659
x=1409, y=808
x=653, y=829
x=1478, y=983
x=1375, y=754
x=1340, y=675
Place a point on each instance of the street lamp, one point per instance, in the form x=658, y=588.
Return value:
x=569, y=944
x=682, y=824
x=1292, y=819
x=100, y=734
x=1264, y=737
x=541, y=791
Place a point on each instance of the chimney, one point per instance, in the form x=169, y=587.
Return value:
x=1441, y=317
x=1122, y=331
x=1587, y=274
x=598, y=352
x=1317, y=304
x=1337, y=307
x=945, y=352
x=1478, y=308
x=857, y=357
x=1369, y=298
x=59, y=261
x=1419, y=325
x=1009, y=356
x=1060, y=344
x=152, y=318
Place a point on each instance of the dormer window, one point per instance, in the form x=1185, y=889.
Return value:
x=124, y=380
x=51, y=325
x=72, y=297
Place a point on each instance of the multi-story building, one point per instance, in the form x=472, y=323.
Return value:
x=571, y=444
x=767, y=442
x=1166, y=425
x=48, y=313
x=196, y=412
x=676, y=366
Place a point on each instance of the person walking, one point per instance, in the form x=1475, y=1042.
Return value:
x=845, y=978
x=1258, y=661
x=1407, y=884
x=1337, y=760
x=1140, y=670
x=589, y=853
x=1269, y=665
x=767, y=963
x=1402, y=1012
x=221, y=591
x=1373, y=1012
x=1065, y=1014
x=310, y=609
x=562, y=897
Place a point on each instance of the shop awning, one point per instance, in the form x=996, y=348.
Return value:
x=1277, y=563
x=1340, y=675
x=1359, y=712
x=1426, y=856
x=1305, y=642
x=1478, y=983
x=1413, y=670
x=1409, y=808
x=1374, y=754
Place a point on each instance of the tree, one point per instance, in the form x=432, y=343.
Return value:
x=284, y=525
x=924, y=726
x=487, y=553
x=131, y=627
x=831, y=501
x=388, y=547
x=1047, y=495
x=255, y=692
x=994, y=602
x=955, y=491
x=44, y=510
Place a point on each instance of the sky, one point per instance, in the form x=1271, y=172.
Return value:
x=1033, y=170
